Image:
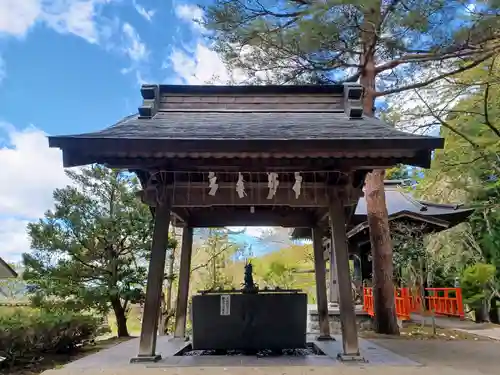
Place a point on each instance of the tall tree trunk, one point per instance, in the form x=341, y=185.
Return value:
x=121, y=318
x=482, y=313
x=494, y=311
x=166, y=305
x=383, y=284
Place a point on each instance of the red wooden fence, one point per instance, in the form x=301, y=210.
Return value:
x=446, y=301
x=443, y=301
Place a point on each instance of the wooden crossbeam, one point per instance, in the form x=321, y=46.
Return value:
x=260, y=217
x=196, y=195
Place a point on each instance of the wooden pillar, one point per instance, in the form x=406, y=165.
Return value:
x=350, y=346
x=183, y=288
x=149, y=329
x=321, y=295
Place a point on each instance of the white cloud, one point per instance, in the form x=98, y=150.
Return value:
x=191, y=14
x=74, y=17
x=198, y=66
x=137, y=52
x=30, y=173
x=147, y=14
x=252, y=231
x=13, y=239
x=82, y=18
x=134, y=48
x=202, y=65
x=16, y=17
x=78, y=17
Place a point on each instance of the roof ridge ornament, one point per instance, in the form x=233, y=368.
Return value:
x=353, y=96
x=151, y=96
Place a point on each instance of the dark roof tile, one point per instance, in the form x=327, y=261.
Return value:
x=240, y=125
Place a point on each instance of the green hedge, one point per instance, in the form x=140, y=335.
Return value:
x=26, y=334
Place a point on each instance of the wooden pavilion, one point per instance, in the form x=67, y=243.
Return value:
x=401, y=208
x=213, y=156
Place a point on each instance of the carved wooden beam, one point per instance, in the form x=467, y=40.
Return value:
x=196, y=195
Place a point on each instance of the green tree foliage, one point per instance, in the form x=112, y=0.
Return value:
x=467, y=170
x=409, y=252
x=399, y=172
x=389, y=46
x=327, y=41
x=215, y=256
x=478, y=287
x=280, y=275
x=89, y=252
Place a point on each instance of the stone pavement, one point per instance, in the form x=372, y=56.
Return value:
x=119, y=356
x=462, y=355
x=487, y=330
x=294, y=370
x=115, y=360
x=395, y=356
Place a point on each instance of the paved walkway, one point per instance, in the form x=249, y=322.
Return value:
x=393, y=356
x=480, y=329
x=461, y=355
x=306, y=370
x=118, y=357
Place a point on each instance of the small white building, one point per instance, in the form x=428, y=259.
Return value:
x=6, y=271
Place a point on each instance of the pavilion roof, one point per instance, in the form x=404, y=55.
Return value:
x=400, y=201
x=322, y=121
x=6, y=271
x=402, y=206
x=255, y=125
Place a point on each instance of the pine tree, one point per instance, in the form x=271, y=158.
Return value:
x=390, y=46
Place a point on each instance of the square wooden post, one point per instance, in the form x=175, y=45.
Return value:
x=350, y=345
x=183, y=288
x=321, y=295
x=151, y=314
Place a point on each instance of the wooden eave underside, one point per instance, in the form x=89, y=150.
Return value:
x=251, y=161
x=148, y=153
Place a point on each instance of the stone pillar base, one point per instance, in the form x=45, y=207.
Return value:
x=325, y=338
x=145, y=358
x=351, y=358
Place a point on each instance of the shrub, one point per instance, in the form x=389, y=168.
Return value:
x=476, y=284
x=27, y=334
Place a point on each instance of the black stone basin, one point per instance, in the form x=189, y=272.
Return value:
x=249, y=322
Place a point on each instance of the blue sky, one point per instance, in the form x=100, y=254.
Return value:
x=70, y=66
